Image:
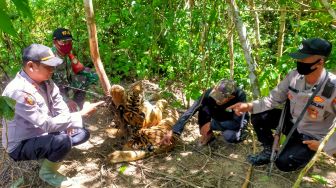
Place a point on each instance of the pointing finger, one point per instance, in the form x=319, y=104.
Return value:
x=233, y=106
x=98, y=103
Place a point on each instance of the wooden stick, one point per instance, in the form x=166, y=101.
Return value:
x=286, y=10
x=316, y=156
x=166, y=175
x=250, y=170
x=94, y=51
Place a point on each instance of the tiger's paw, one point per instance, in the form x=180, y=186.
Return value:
x=126, y=156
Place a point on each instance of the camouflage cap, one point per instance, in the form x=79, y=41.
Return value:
x=223, y=90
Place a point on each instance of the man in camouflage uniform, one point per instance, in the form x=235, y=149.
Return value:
x=43, y=127
x=71, y=74
x=297, y=87
x=212, y=114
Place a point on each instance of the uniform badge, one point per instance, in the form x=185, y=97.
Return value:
x=318, y=99
x=29, y=100
x=313, y=113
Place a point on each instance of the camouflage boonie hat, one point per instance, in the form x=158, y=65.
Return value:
x=223, y=90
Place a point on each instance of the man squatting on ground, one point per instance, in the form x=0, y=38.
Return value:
x=297, y=87
x=43, y=127
x=72, y=77
x=212, y=114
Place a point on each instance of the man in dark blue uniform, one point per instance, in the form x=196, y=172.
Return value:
x=212, y=114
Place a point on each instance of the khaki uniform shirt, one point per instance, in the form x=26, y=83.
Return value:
x=39, y=110
x=319, y=116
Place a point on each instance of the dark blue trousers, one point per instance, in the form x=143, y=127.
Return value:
x=295, y=155
x=54, y=146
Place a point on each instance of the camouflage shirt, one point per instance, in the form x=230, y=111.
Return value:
x=64, y=77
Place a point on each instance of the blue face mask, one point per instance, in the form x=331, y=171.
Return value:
x=305, y=68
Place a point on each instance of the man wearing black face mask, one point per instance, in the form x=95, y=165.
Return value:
x=71, y=74
x=309, y=82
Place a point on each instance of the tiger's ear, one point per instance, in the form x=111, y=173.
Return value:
x=117, y=93
x=136, y=86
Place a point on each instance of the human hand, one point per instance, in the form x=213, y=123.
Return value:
x=239, y=108
x=166, y=140
x=72, y=105
x=205, y=129
x=71, y=131
x=89, y=108
x=312, y=144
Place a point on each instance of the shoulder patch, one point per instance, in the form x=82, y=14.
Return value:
x=28, y=99
x=318, y=99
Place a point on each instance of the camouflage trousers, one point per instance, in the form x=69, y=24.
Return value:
x=81, y=81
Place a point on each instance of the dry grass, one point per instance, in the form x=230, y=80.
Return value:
x=219, y=165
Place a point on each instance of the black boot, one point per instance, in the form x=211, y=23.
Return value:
x=261, y=158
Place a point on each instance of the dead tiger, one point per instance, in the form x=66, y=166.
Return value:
x=149, y=121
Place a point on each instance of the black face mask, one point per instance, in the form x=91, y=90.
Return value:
x=305, y=68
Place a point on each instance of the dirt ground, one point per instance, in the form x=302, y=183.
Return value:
x=219, y=165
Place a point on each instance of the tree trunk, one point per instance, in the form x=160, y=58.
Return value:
x=189, y=4
x=329, y=8
x=298, y=20
x=281, y=33
x=231, y=48
x=256, y=23
x=91, y=24
x=241, y=29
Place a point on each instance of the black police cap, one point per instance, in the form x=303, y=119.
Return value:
x=314, y=46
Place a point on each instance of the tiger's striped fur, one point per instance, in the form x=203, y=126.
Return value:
x=149, y=122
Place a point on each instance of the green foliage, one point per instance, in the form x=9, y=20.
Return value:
x=5, y=22
x=319, y=179
x=122, y=169
x=7, y=107
x=264, y=178
x=184, y=47
x=18, y=183
x=23, y=7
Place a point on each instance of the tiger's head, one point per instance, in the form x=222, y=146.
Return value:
x=135, y=113
x=117, y=93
